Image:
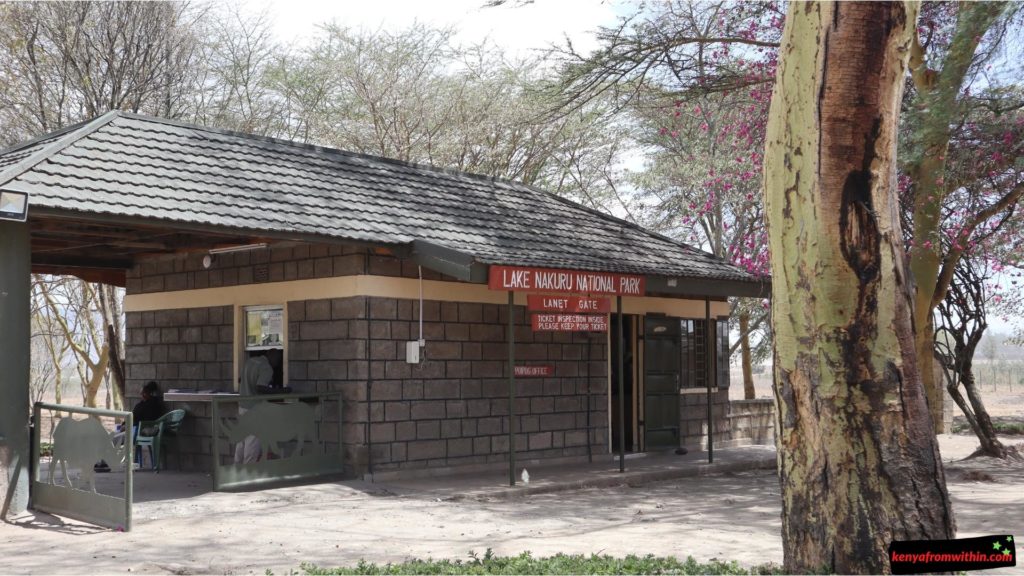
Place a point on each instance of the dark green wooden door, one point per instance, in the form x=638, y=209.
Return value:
x=661, y=383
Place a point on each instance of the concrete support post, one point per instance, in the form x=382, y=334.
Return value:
x=620, y=360
x=15, y=269
x=511, y=389
x=709, y=373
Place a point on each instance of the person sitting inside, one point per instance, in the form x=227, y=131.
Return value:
x=148, y=409
x=152, y=404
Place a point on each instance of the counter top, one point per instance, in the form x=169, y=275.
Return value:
x=195, y=395
x=187, y=395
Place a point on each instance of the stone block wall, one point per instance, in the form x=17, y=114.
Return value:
x=448, y=410
x=279, y=264
x=693, y=415
x=752, y=421
x=452, y=407
x=186, y=348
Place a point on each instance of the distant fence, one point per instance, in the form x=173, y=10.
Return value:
x=275, y=438
x=78, y=445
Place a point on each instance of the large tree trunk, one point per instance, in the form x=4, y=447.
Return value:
x=97, y=370
x=976, y=414
x=924, y=344
x=858, y=460
x=748, y=370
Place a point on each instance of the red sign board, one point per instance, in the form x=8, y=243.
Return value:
x=570, y=304
x=569, y=323
x=520, y=279
x=538, y=371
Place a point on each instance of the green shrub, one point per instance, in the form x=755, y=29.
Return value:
x=1002, y=425
x=525, y=563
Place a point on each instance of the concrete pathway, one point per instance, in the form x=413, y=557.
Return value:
x=603, y=472
x=492, y=483
x=728, y=510
x=182, y=527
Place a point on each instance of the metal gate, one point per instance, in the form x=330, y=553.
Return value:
x=78, y=445
x=275, y=438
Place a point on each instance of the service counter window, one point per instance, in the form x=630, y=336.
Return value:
x=263, y=328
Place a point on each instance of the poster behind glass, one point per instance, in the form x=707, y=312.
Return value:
x=264, y=328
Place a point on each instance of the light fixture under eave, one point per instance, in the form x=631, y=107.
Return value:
x=13, y=206
x=242, y=248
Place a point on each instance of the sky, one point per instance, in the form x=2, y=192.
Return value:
x=515, y=26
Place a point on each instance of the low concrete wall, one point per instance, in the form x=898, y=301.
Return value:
x=751, y=422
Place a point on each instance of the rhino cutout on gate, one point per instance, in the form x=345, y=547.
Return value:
x=81, y=444
x=273, y=423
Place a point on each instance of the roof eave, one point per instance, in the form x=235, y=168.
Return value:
x=711, y=287
x=450, y=262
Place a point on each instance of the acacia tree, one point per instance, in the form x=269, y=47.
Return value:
x=949, y=59
x=858, y=458
x=982, y=163
x=73, y=309
x=235, y=75
x=697, y=76
x=702, y=183
x=65, y=62
x=42, y=371
x=415, y=95
x=962, y=322
x=684, y=48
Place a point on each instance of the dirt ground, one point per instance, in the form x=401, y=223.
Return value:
x=731, y=516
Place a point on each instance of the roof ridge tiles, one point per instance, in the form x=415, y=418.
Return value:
x=47, y=136
x=66, y=137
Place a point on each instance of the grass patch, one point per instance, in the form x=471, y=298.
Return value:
x=1008, y=428
x=1003, y=427
x=525, y=563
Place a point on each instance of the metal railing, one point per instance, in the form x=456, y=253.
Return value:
x=275, y=438
x=80, y=444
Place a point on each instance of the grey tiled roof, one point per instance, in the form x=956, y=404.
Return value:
x=132, y=166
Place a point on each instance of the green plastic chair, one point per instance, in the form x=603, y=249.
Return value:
x=152, y=433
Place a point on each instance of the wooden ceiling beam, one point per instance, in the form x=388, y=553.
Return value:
x=74, y=261
x=140, y=245
x=103, y=276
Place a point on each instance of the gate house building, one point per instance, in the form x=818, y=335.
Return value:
x=371, y=276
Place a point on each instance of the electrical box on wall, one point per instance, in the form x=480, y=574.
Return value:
x=412, y=352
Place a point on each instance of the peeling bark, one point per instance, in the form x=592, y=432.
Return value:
x=858, y=459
